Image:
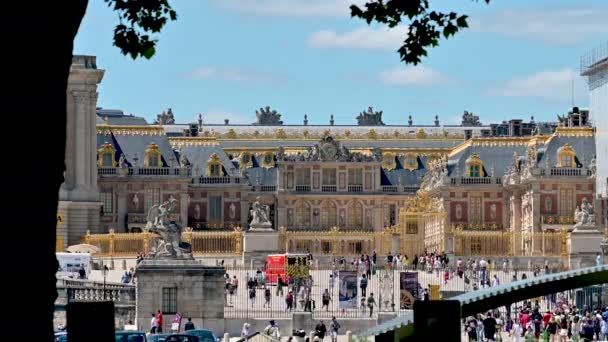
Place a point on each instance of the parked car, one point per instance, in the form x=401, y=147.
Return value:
x=172, y=338
x=130, y=336
x=203, y=335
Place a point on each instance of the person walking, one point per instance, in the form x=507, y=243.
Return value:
x=189, y=325
x=289, y=301
x=334, y=326
x=267, y=296
x=370, y=303
x=272, y=330
x=246, y=331
x=489, y=327
x=363, y=285
x=326, y=298
x=280, y=285
x=159, y=322
x=153, y=324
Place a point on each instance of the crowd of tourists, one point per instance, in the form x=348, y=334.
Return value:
x=564, y=322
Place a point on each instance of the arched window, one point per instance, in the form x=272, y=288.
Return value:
x=152, y=156
x=303, y=215
x=474, y=166
x=214, y=166
x=566, y=156
x=268, y=160
x=355, y=214
x=105, y=155
x=329, y=214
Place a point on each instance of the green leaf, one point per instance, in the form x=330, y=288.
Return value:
x=149, y=52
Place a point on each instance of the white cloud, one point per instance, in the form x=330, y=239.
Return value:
x=290, y=8
x=232, y=74
x=361, y=38
x=563, y=26
x=418, y=75
x=552, y=85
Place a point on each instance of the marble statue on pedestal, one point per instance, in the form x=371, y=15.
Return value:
x=168, y=245
x=260, y=214
x=584, y=215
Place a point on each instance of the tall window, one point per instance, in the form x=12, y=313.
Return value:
x=329, y=176
x=355, y=177
x=474, y=171
x=215, y=170
x=303, y=215
x=329, y=214
x=152, y=198
x=566, y=160
x=107, y=201
x=355, y=215
x=169, y=299
x=566, y=202
x=153, y=161
x=475, y=210
x=152, y=156
x=392, y=214
x=302, y=176
x=107, y=159
x=215, y=209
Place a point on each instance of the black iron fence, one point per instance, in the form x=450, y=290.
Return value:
x=348, y=291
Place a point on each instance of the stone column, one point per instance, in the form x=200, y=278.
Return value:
x=515, y=219
x=121, y=209
x=281, y=217
x=377, y=217
x=183, y=208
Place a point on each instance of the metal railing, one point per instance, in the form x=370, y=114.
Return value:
x=329, y=188
x=302, y=188
x=355, y=188
x=217, y=180
x=249, y=299
x=476, y=180
x=557, y=219
x=143, y=171
x=479, y=227
x=129, y=244
x=334, y=241
x=264, y=188
x=389, y=188
x=510, y=243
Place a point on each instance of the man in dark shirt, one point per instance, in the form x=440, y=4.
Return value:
x=489, y=327
x=189, y=325
x=389, y=259
x=320, y=329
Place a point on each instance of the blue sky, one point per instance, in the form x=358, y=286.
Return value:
x=227, y=58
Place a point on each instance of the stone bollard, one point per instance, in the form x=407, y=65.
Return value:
x=226, y=337
x=124, y=264
x=349, y=336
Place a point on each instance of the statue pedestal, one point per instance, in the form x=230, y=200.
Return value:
x=258, y=243
x=195, y=290
x=584, y=245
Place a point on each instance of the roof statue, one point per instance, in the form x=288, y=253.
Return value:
x=165, y=118
x=267, y=117
x=168, y=245
x=468, y=119
x=370, y=118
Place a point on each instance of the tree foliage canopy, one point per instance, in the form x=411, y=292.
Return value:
x=137, y=20
x=425, y=25
x=140, y=18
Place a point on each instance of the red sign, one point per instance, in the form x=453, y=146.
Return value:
x=275, y=267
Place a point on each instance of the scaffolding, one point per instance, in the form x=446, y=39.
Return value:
x=594, y=59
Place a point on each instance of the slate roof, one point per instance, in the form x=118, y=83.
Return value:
x=132, y=145
x=499, y=157
x=199, y=155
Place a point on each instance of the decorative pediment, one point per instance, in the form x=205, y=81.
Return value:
x=388, y=161
x=214, y=166
x=566, y=156
x=268, y=160
x=246, y=160
x=152, y=156
x=410, y=161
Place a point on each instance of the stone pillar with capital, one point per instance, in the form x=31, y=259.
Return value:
x=79, y=194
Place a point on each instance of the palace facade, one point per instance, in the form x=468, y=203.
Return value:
x=512, y=176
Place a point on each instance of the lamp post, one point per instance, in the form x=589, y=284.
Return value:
x=105, y=274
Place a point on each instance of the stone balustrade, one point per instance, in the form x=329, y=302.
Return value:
x=476, y=181
x=106, y=171
x=217, y=180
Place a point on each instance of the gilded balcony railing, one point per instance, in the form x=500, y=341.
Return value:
x=558, y=219
x=506, y=243
x=479, y=226
x=333, y=241
x=129, y=244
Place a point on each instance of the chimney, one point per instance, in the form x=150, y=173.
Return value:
x=305, y=120
x=226, y=122
x=331, y=120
